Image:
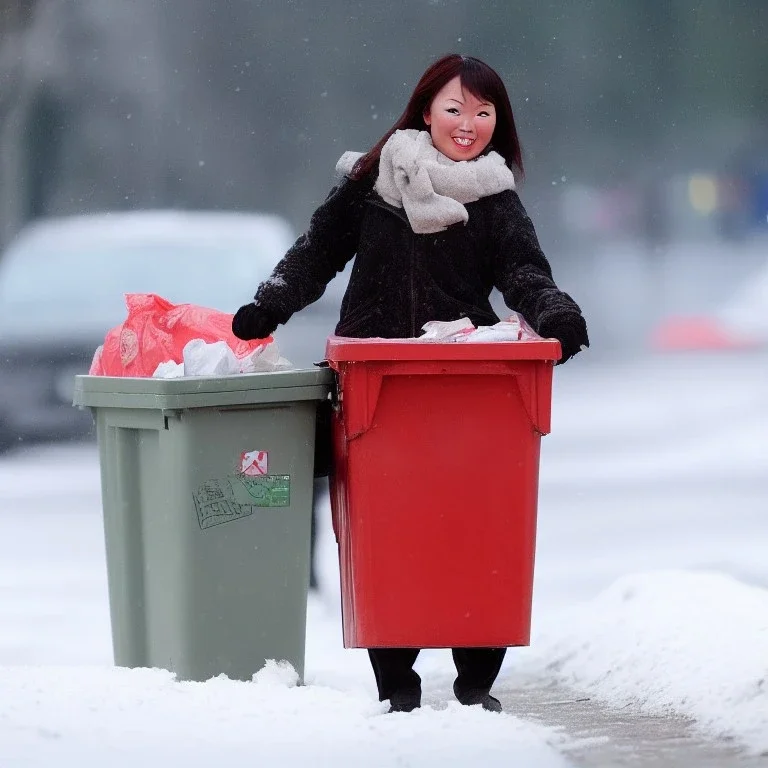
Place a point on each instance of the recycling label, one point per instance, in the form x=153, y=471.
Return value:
x=238, y=496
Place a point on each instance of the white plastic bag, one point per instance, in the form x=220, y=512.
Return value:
x=266, y=358
x=506, y=330
x=217, y=359
x=202, y=359
x=439, y=330
x=514, y=328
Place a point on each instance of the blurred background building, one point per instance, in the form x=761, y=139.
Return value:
x=643, y=124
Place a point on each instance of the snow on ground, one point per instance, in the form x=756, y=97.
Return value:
x=97, y=716
x=63, y=704
x=653, y=495
x=672, y=642
x=652, y=468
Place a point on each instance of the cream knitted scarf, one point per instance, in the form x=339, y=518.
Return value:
x=430, y=187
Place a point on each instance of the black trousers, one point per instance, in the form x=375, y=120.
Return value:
x=477, y=669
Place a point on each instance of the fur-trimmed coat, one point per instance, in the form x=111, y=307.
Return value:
x=402, y=280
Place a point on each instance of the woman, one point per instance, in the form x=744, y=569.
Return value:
x=434, y=221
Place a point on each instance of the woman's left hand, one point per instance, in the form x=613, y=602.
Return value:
x=570, y=330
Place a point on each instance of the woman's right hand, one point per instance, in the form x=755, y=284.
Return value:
x=253, y=322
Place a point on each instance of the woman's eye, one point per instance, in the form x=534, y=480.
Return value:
x=452, y=110
x=484, y=114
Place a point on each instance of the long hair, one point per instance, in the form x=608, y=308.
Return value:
x=482, y=82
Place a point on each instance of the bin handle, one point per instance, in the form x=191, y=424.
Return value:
x=535, y=386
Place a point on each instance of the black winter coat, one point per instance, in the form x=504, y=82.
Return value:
x=401, y=280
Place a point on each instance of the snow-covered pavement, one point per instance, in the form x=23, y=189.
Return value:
x=650, y=597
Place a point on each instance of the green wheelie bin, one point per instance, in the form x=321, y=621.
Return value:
x=207, y=498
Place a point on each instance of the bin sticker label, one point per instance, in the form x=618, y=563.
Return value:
x=254, y=463
x=263, y=490
x=215, y=505
x=238, y=496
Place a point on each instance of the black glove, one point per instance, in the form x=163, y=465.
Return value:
x=570, y=330
x=253, y=322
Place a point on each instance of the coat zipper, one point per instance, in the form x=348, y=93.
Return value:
x=399, y=212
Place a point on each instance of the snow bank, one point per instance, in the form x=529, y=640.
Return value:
x=691, y=643
x=745, y=310
x=98, y=716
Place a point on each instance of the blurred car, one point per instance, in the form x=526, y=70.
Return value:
x=62, y=283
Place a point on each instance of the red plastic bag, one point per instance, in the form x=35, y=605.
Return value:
x=157, y=331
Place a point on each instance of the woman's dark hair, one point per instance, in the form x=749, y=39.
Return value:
x=482, y=82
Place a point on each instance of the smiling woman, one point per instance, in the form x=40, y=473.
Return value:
x=470, y=83
x=461, y=125
x=432, y=220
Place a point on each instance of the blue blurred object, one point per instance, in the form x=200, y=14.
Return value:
x=760, y=201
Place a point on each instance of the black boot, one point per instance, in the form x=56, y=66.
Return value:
x=404, y=701
x=483, y=698
x=395, y=677
x=477, y=670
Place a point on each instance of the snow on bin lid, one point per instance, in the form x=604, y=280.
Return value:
x=341, y=348
x=202, y=391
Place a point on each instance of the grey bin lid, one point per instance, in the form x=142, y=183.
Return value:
x=202, y=391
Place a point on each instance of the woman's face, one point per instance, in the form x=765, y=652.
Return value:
x=461, y=124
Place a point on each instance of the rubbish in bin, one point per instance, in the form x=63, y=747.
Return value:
x=514, y=328
x=203, y=359
x=157, y=331
x=446, y=330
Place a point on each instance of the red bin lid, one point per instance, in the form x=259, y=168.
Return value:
x=345, y=349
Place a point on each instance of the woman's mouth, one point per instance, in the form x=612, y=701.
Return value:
x=463, y=142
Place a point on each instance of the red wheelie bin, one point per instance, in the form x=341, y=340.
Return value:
x=435, y=488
